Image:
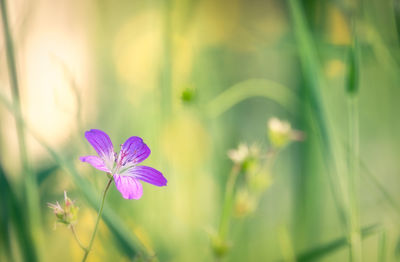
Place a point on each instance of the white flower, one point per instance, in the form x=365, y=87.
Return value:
x=279, y=132
x=278, y=126
x=243, y=153
x=240, y=154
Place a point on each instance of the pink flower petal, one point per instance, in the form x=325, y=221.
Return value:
x=101, y=142
x=129, y=187
x=96, y=162
x=147, y=174
x=133, y=151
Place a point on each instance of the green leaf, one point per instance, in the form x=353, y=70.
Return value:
x=44, y=172
x=253, y=88
x=314, y=77
x=12, y=214
x=352, y=75
x=333, y=246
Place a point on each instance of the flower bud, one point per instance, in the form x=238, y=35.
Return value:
x=68, y=214
x=245, y=156
x=258, y=182
x=279, y=132
x=245, y=204
x=219, y=246
x=188, y=95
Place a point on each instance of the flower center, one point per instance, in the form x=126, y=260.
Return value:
x=123, y=162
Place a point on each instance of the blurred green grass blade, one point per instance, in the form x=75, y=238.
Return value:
x=365, y=171
x=352, y=74
x=397, y=249
x=128, y=241
x=253, y=88
x=353, y=154
x=384, y=55
x=333, y=246
x=165, y=77
x=286, y=244
x=390, y=200
x=44, y=172
x=382, y=247
x=14, y=214
x=5, y=217
x=314, y=81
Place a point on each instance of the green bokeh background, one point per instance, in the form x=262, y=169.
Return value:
x=195, y=79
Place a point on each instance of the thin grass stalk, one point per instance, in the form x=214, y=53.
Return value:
x=30, y=183
x=166, y=70
x=382, y=246
x=78, y=241
x=381, y=188
x=353, y=153
x=228, y=202
x=353, y=176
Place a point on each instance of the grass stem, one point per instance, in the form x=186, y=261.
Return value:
x=228, y=202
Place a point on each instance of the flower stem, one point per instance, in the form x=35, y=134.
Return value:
x=97, y=221
x=227, y=209
x=77, y=239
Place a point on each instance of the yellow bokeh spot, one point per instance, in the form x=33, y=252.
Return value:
x=137, y=50
x=185, y=142
x=334, y=68
x=216, y=21
x=339, y=32
x=255, y=29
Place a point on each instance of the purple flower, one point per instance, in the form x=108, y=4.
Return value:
x=123, y=167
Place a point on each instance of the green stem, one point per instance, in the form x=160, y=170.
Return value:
x=353, y=154
x=268, y=89
x=381, y=188
x=98, y=220
x=77, y=239
x=382, y=247
x=227, y=209
x=166, y=71
x=271, y=156
x=229, y=193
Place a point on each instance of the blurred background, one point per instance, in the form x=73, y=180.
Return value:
x=195, y=79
